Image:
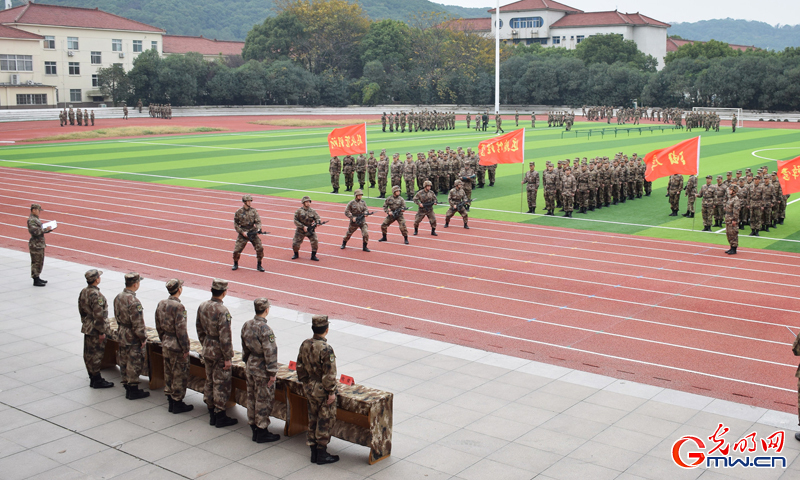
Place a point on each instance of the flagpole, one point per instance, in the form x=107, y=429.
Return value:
x=497, y=58
x=522, y=191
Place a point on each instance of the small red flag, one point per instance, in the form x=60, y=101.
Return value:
x=789, y=175
x=350, y=140
x=683, y=159
x=506, y=148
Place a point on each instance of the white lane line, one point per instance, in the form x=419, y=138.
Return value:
x=305, y=295
x=720, y=230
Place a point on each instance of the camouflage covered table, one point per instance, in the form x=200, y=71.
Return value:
x=364, y=415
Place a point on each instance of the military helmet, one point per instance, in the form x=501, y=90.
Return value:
x=459, y=182
x=358, y=192
x=427, y=183
x=395, y=188
x=305, y=199
x=247, y=198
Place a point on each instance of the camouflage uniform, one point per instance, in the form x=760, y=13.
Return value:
x=549, y=179
x=93, y=308
x=304, y=218
x=707, y=193
x=36, y=244
x=569, y=187
x=396, y=173
x=214, y=332
x=372, y=168
x=131, y=334
x=171, y=325
x=353, y=209
x=732, y=207
x=383, y=122
x=719, y=198
x=423, y=171
x=425, y=196
x=260, y=354
x=392, y=204
x=335, y=169
x=691, y=194
x=361, y=170
x=435, y=169
x=383, y=174
x=467, y=177
x=796, y=351
x=316, y=370
x=492, y=170
x=408, y=176
x=594, y=182
x=582, y=179
x=480, y=175
x=246, y=221
x=455, y=198
x=531, y=178
x=674, y=192
x=348, y=167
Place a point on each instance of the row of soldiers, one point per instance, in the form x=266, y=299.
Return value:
x=420, y=121
x=160, y=111
x=594, y=184
x=316, y=361
x=707, y=120
x=560, y=119
x=441, y=168
x=72, y=117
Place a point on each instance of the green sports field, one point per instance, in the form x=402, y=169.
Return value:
x=292, y=163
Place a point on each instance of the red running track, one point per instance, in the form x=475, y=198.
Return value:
x=673, y=314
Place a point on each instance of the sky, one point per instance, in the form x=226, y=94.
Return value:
x=784, y=12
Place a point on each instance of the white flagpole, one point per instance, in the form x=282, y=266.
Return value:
x=497, y=59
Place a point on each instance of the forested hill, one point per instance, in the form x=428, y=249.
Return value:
x=232, y=19
x=740, y=32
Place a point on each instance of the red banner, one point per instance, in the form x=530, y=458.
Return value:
x=503, y=149
x=350, y=140
x=789, y=175
x=683, y=159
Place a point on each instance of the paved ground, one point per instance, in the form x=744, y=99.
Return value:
x=459, y=412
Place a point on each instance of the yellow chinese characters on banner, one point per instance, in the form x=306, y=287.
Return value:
x=346, y=141
x=789, y=175
x=506, y=148
x=681, y=159
x=350, y=140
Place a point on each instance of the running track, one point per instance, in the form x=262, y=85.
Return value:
x=673, y=314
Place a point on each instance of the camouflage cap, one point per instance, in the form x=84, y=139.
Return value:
x=219, y=284
x=531, y=163
x=305, y=199
x=173, y=285
x=427, y=183
x=319, y=321
x=247, y=198
x=729, y=173
x=372, y=151
x=36, y=206
x=719, y=177
x=459, y=182
x=774, y=173
x=91, y=275
x=734, y=188
x=261, y=304
x=396, y=188
x=133, y=277
x=358, y=192
x=738, y=171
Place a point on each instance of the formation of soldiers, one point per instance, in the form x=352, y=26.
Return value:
x=676, y=116
x=707, y=120
x=75, y=117
x=159, y=111
x=560, y=119
x=418, y=121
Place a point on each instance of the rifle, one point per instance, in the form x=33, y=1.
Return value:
x=396, y=213
x=253, y=235
x=464, y=203
x=360, y=219
x=428, y=205
x=313, y=227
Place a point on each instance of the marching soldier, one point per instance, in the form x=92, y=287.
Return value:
x=458, y=200
x=306, y=221
x=62, y=118
x=732, y=207
x=691, y=194
x=372, y=168
x=492, y=169
x=131, y=336
x=247, y=223
x=139, y=105
x=335, y=169
x=533, y=119
x=674, y=193
x=532, y=180
x=214, y=331
x=394, y=207
x=171, y=326
x=516, y=117
x=348, y=166
x=425, y=200
x=316, y=370
x=36, y=244
x=260, y=355
x=93, y=308
x=361, y=170
x=499, y=123
x=357, y=211
x=707, y=193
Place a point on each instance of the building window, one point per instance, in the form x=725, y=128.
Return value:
x=579, y=39
x=49, y=42
x=31, y=99
x=74, y=68
x=72, y=43
x=16, y=63
x=137, y=45
x=94, y=80
x=116, y=44
x=501, y=24
x=540, y=41
x=97, y=58
x=98, y=98
x=154, y=45
x=556, y=40
x=75, y=95
x=527, y=22
x=50, y=68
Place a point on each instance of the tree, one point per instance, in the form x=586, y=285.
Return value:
x=223, y=87
x=612, y=48
x=183, y=78
x=277, y=38
x=386, y=41
x=114, y=83
x=144, y=78
x=709, y=49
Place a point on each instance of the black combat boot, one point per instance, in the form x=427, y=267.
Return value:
x=383, y=238
x=707, y=228
x=674, y=213
x=314, y=256
x=382, y=195
x=780, y=222
x=212, y=416
x=37, y=282
x=265, y=436
x=134, y=393
x=752, y=233
x=466, y=226
x=608, y=204
x=180, y=407
x=253, y=429
x=324, y=457
x=235, y=266
x=530, y=210
x=433, y=232
x=533, y=210
x=223, y=420
x=97, y=381
x=551, y=213
x=491, y=184
x=416, y=230
x=691, y=215
x=372, y=185
x=408, y=197
x=685, y=214
x=756, y=234
x=344, y=244
x=766, y=228
x=732, y=251
x=364, y=247
x=591, y=209
x=259, y=267
x=296, y=255
x=313, y=454
x=361, y=186
x=171, y=403
x=405, y=239
x=566, y=214
x=446, y=222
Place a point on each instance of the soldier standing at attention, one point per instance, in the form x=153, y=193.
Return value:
x=131, y=336
x=372, y=168
x=71, y=116
x=85, y=117
x=492, y=169
x=361, y=170
x=498, y=123
x=533, y=119
x=260, y=355
x=355, y=209
x=469, y=119
x=335, y=169
x=124, y=112
x=744, y=207
x=383, y=121
x=316, y=370
x=532, y=179
x=733, y=123
x=409, y=172
x=402, y=124
x=422, y=170
x=91, y=116
x=516, y=117
x=549, y=180
x=707, y=193
x=674, y=193
x=425, y=200
x=394, y=206
x=719, y=202
x=61, y=118
x=391, y=122
x=569, y=187
x=582, y=178
x=36, y=244
x=383, y=173
x=214, y=332
x=457, y=199
x=139, y=105
x=247, y=223
x=480, y=178
x=171, y=326
x=397, y=122
x=304, y=218
x=691, y=194
x=648, y=186
x=78, y=117
x=732, y=207
x=93, y=308
x=348, y=166
x=756, y=205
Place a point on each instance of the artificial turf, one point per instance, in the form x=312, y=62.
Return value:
x=292, y=163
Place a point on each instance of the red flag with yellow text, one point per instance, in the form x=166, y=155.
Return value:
x=683, y=159
x=789, y=175
x=503, y=149
x=348, y=140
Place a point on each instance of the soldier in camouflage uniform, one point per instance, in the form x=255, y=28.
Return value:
x=383, y=175
x=744, y=199
x=247, y=223
x=614, y=179
x=131, y=336
x=396, y=171
x=491, y=170
x=467, y=177
x=549, y=179
x=756, y=195
x=361, y=170
x=394, y=207
x=469, y=119
x=674, y=189
x=409, y=173
x=260, y=355
x=171, y=325
x=435, y=167
x=397, y=122
x=639, y=169
x=422, y=170
x=383, y=121
x=348, y=167
x=304, y=218
x=458, y=200
x=93, y=308
x=372, y=168
x=36, y=244
x=691, y=194
x=719, y=202
x=582, y=179
x=391, y=122
x=316, y=370
x=707, y=193
x=532, y=180
x=425, y=200
x=402, y=124
x=779, y=202
x=569, y=187
x=214, y=332
x=480, y=175
x=766, y=217
x=732, y=208
x=335, y=169
x=353, y=210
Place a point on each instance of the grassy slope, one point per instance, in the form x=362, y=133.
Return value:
x=298, y=159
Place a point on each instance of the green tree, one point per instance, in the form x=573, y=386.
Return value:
x=277, y=38
x=114, y=83
x=223, y=87
x=144, y=77
x=183, y=78
x=710, y=49
x=612, y=48
x=386, y=41
x=251, y=79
